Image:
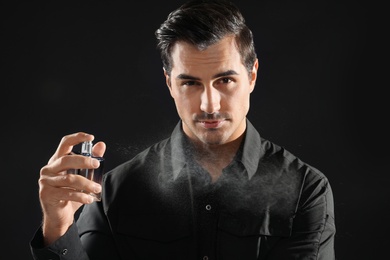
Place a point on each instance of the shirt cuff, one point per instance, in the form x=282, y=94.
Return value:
x=67, y=247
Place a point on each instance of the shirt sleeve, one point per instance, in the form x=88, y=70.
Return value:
x=67, y=247
x=88, y=238
x=313, y=230
x=95, y=233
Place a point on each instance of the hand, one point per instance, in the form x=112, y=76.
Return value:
x=62, y=194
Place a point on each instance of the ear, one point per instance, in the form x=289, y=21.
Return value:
x=254, y=75
x=168, y=81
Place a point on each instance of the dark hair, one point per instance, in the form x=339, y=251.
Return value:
x=203, y=23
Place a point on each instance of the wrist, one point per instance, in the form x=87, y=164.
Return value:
x=53, y=232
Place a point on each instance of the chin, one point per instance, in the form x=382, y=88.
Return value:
x=212, y=137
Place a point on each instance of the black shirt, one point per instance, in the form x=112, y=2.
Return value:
x=267, y=204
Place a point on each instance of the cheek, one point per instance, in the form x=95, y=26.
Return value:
x=186, y=104
x=236, y=100
x=237, y=97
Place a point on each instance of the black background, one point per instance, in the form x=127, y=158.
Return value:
x=92, y=66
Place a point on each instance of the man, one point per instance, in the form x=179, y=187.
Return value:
x=213, y=190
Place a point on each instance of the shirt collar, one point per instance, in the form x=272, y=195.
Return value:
x=249, y=153
x=179, y=151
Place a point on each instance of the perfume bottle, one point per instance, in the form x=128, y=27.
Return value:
x=95, y=175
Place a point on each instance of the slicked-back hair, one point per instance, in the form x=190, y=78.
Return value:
x=203, y=23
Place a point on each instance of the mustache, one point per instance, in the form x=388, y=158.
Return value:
x=214, y=116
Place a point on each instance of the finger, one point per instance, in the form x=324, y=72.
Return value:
x=67, y=162
x=69, y=141
x=98, y=149
x=70, y=182
x=56, y=195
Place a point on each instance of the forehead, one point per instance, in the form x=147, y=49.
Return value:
x=223, y=55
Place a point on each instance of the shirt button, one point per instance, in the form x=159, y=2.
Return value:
x=64, y=251
x=205, y=257
x=208, y=207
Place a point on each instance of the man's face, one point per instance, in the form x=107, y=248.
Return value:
x=211, y=90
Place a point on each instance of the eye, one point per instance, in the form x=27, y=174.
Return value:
x=224, y=81
x=190, y=83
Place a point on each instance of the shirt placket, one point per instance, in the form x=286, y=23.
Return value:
x=207, y=221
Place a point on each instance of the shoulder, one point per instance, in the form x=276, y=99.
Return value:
x=145, y=158
x=287, y=173
x=141, y=169
x=291, y=182
x=281, y=159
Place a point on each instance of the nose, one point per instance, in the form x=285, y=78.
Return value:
x=210, y=100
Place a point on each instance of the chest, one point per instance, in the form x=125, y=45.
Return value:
x=186, y=219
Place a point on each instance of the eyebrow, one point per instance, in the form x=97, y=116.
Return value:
x=222, y=74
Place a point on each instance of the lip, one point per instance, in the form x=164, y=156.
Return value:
x=209, y=124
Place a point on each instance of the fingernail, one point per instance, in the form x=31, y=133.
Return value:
x=95, y=163
x=97, y=188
